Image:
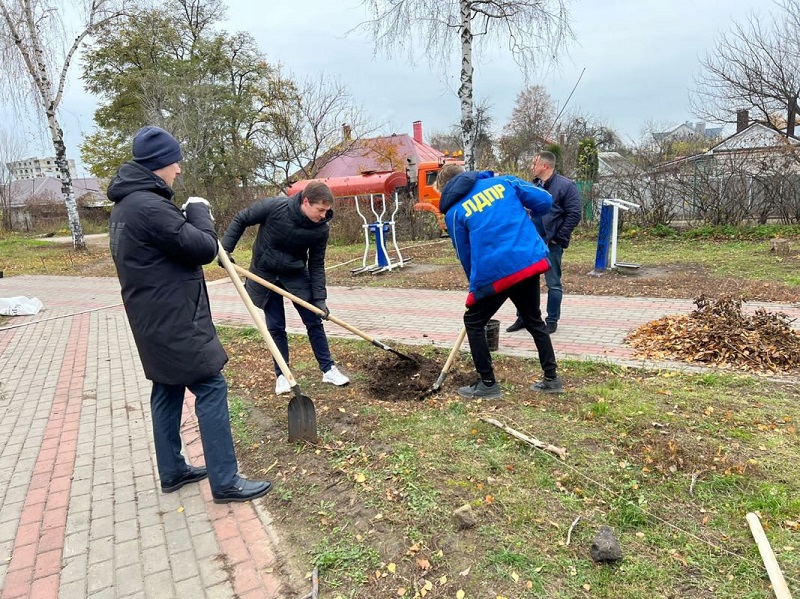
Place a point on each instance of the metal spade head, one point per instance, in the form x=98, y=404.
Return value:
x=302, y=419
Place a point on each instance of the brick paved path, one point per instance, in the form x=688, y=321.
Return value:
x=81, y=514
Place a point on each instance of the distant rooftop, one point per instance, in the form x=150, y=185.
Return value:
x=689, y=129
x=48, y=190
x=372, y=154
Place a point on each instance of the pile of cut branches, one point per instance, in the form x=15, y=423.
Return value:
x=718, y=332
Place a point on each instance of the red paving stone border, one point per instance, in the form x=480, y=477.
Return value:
x=36, y=560
x=245, y=544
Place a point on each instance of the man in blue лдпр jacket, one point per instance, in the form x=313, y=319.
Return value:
x=491, y=231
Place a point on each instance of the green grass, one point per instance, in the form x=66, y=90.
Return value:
x=20, y=255
x=727, y=257
x=242, y=431
x=344, y=560
x=734, y=252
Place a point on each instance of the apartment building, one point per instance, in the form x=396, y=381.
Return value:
x=33, y=168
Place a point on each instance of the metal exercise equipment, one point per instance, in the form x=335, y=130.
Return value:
x=379, y=229
x=607, y=237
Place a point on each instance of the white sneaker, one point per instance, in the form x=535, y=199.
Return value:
x=335, y=377
x=282, y=385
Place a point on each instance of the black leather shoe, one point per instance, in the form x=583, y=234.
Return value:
x=192, y=475
x=516, y=326
x=551, y=327
x=243, y=490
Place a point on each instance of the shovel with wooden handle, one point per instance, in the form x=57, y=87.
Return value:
x=302, y=414
x=315, y=310
x=446, y=368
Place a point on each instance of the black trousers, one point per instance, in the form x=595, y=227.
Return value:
x=525, y=296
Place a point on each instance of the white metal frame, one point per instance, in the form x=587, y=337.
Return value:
x=379, y=238
x=617, y=204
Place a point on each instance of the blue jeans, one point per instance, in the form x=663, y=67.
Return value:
x=552, y=279
x=211, y=407
x=276, y=325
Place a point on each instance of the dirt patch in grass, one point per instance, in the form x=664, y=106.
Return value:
x=392, y=378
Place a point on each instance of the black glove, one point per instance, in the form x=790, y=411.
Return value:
x=322, y=306
x=230, y=257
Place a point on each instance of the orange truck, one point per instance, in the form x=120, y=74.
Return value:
x=416, y=182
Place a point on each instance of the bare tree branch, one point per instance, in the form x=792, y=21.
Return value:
x=753, y=66
x=535, y=30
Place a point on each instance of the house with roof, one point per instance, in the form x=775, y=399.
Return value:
x=752, y=174
x=688, y=130
x=380, y=154
x=613, y=164
x=27, y=198
x=614, y=175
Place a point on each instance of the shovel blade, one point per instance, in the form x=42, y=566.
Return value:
x=302, y=420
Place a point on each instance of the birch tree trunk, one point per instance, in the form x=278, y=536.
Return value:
x=465, y=89
x=29, y=26
x=73, y=218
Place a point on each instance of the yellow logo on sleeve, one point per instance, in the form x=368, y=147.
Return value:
x=483, y=199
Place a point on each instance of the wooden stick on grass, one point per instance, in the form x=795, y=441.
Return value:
x=571, y=528
x=768, y=557
x=559, y=451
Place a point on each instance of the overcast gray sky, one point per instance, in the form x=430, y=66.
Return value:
x=639, y=57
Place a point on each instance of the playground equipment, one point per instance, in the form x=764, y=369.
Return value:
x=607, y=237
x=379, y=229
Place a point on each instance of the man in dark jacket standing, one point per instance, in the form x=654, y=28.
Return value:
x=487, y=221
x=158, y=251
x=289, y=251
x=555, y=228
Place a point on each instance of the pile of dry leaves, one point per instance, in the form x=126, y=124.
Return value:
x=718, y=332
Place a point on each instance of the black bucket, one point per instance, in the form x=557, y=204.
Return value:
x=493, y=334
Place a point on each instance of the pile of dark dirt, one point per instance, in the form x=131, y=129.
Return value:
x=718, y=332
x=392, y=378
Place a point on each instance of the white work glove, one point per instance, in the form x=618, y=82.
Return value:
x=196, y=200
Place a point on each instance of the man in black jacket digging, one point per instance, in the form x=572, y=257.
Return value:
x=158, y=251
x=289, y=251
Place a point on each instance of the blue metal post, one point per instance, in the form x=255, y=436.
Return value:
x=604, y=238
x=379, y=229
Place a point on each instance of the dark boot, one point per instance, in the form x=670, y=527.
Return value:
x=547, y=385
x=516, y=326
x=480, y=390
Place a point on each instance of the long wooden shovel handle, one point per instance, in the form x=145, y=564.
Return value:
x=779, y=586
x=456, y=346
x=251, y=307
x=300, y=302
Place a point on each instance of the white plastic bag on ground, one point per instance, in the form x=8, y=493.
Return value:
x=20, y=306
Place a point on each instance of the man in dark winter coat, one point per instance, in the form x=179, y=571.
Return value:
x=555, y=228
x=158, y=251
x=487, y=221
x=289, y=251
